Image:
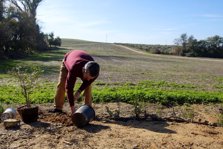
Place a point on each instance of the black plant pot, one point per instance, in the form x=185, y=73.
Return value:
x=83, y=116
x=28, y=114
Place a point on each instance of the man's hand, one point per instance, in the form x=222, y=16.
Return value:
x=76, y=95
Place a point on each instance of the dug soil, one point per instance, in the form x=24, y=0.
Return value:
x=116, y=126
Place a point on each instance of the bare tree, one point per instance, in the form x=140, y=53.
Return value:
x=28, y=6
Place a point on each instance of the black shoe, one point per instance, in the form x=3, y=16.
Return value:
x=55, y=111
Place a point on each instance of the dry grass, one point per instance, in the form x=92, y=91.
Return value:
x=121, y=64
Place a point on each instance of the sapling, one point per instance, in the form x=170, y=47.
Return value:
x=139, y=108
x=188, y=112
x=27, y=79
x=220, y=116
x=112, y=114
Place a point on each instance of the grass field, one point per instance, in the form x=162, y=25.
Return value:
x=121, y=65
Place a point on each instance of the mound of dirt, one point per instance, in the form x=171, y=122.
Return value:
x=62, y=118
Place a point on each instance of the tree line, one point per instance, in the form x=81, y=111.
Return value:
x=186, y=46
x=20, y=35
x=189, y=46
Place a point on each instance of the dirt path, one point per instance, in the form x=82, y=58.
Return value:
x=171, y=56
x=57, y=131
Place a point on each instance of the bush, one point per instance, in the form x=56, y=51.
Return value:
x=27, y=78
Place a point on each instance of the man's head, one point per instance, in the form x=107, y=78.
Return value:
x=91, y=70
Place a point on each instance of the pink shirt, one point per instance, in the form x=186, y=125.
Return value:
x=74, y=61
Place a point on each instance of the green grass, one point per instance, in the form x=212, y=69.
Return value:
x=154, y=92
x=42, y=94
x=48, y=61
x=144, y=92
x=125, y=75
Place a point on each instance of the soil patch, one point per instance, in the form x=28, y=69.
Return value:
x=124, y=131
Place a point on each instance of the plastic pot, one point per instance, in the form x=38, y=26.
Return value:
x=9, y=113
x=28, y=114
x=83, y=116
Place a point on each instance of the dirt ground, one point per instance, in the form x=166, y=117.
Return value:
x=179, y=127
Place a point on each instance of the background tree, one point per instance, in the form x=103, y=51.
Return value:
x=54, y=41
x=215, y=46
x=50, y=39
x=211, y=47
x=19, y=33
x=57, y=41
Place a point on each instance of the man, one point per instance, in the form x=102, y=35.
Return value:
x=76, y=63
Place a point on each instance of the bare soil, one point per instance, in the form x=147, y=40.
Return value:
x=160, y=127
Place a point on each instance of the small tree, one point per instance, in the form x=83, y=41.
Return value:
x=28, y=80
x=53, y=41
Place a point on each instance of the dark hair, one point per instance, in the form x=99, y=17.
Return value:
x=93, y=68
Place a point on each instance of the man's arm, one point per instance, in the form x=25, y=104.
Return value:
x=85, y=84
x=70, y=87
x=76, y=96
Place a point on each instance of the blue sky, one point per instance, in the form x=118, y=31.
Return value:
x=131, y=21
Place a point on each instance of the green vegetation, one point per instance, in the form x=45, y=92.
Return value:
x=220, y=120
x=43, y=93
x=188, y=112
x=27, y=78
x=19, y=32
x=220, y=116
x=156, y=94
x=124, y=93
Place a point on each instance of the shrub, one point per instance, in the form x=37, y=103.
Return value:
x=27, y=78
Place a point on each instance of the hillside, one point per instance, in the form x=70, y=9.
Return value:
x=122, y=64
